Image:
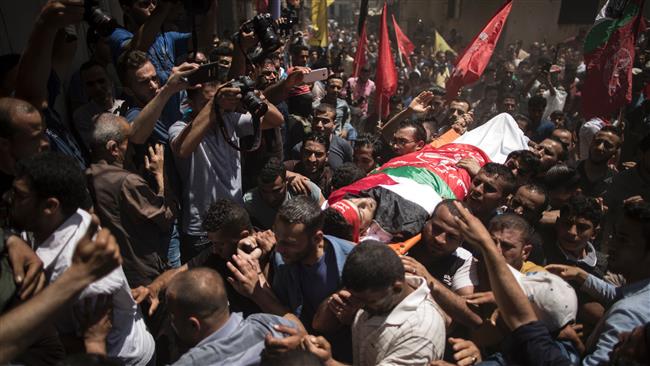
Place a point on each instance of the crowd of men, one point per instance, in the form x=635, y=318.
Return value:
x=152, y=220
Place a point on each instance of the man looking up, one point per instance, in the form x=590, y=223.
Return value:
x=343, y=126
x=595, y=173
x=489, y=190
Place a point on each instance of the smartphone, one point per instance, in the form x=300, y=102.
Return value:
x=315, y=75
x=205, y=73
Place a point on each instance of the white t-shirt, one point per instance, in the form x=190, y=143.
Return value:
x=129, y=340
x=466, y=275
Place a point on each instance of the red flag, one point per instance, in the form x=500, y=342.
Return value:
x=473, y=61
x=406, y=47
x=609, y=56
x=360, y=56
x=386, y=78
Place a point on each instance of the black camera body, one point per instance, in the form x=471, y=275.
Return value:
x=250, y=101
x=264, y=28
x=97, y=19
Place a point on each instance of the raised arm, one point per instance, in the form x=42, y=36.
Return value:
x=93, y=259
x=279, y=92
x=146, y=34
x=145, y=121
x=36, y=62
x=515, y=308
x=419, y=104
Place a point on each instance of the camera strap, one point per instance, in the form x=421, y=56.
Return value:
x=257, y=132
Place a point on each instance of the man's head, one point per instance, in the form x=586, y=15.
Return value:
x=374, y=275
x=267, y=74
x=97, y=84
x=524, y=164
x=314, y=151
x=440, y=234
x=565, y=136
x=110, y=138
x=513, y=235
x=578, y=223
x=409, y=137
x=366, y=151
x=558, y=118
x=138, y=76
x=324, y=119
x=629, y=253
x=137, y=11
x=272, y=183
x=298, y=228
x=489, y=189
x=364, y=73
x=199, y=97
x=536, y=106
x=197, y=303
x=48, y=188
x=457, y=108
x=299, y=55
x=226, y=223
x=334, y=85
x=508, y=104
x=346, y=174
x=529, y=202
x=605, y=144
x=550, y=151
x=222, y=55
x=524, y=124
x=562, y=182
x=22, y=132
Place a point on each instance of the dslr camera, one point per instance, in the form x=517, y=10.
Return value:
x=97, y=19
x=250, y=101
x=265, y=30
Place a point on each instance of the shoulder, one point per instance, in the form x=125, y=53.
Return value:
x=340, y=244
x=269, y=321
x=463, y=254
x=176, y=128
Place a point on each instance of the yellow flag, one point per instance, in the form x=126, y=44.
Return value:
x=441, y=44
x=319, y=22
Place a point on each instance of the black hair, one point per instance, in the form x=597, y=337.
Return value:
x=90, y=64
x=302, y=210
x=449, y=203
x=55, y=175
x=301, y=104
x=510, y=221
x=130, y=60
x=561, y=176
x=463, y=100
x=346, y=174
x=226, y=214
x=612, y=129
x=528, y=161
x=365, y=140
x=325, y=108
x=534, y=187
x=583, y=207
x=537, y=101
x=273, y=169
x=219, y=51
x=372, y=265
x=318, y=137
x=438, y=91
x=505, y=96
x=8, y=108
x=565, y=149
x=504, y=175
x=640, y=212
x=335, y=224
x=420, y=132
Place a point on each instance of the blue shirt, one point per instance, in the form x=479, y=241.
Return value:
x=166, y=49
x=286, y=281
x=239, y=342
x=326, y=275
x=544, y=130
x=631, y=308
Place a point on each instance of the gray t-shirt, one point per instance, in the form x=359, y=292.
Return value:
x=239, y=342
x=213, y=170
x=262, y=214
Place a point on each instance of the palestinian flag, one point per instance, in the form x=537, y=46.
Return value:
x=424, y=178
x=609, y=55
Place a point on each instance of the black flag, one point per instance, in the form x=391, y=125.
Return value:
x=363, y=14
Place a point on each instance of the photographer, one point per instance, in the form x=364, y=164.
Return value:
x=206, y=151
x=143, y=21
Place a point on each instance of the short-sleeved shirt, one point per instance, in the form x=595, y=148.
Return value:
x=262, y=214
x=129, y=340
x=213, y=170
x=238, y=303
x=166, y=49
x=413, y=333
x=456, y=271
x=340, y=152
x=239, y=342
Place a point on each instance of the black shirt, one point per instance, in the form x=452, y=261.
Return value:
x=238, y=303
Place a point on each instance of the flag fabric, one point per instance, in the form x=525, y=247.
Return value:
x=386, y=77
x=363, y=14
x=319, y=23
x=405, y=46
x=609, y=56
x=473, y=61
x=360, y=56
x=441, y=45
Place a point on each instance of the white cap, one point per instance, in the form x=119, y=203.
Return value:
x=554, y=300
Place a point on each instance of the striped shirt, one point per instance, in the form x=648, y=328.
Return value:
x=412, y=334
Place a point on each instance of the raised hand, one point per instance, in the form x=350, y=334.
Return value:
x=421, y=103
x=472, y=229
x=177, y=81
x=60, y=13
x=246, y=273
x=155, y=161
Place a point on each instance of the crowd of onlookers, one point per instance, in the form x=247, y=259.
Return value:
x=153, y=219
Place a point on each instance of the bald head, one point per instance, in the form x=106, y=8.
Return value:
x=11, y=109
x=197, y=293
